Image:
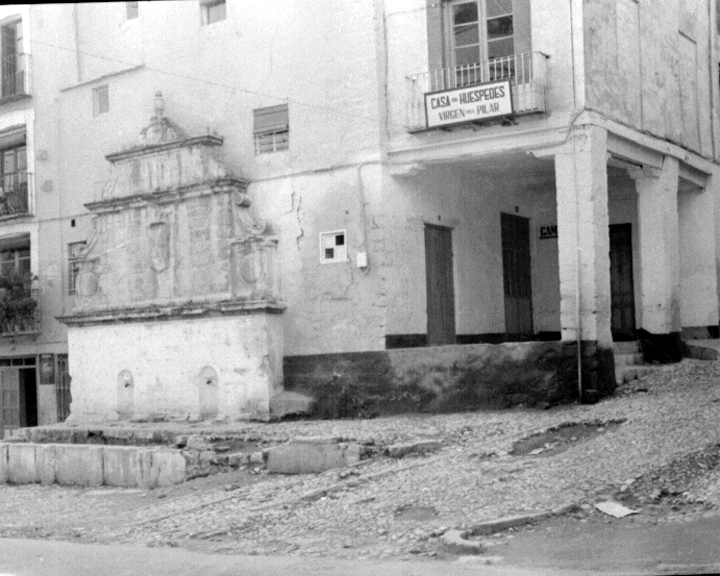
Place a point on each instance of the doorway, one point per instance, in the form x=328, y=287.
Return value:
x=622, y=287
x=440, y=285
x=517, y=277
x=18, y=393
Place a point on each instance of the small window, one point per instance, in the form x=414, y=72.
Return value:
x=271, y=129
x=75, y=254
x=333, y=247
x=213, y=11
x=101, y=100
x=132, y=10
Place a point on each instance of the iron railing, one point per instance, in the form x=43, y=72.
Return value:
x=527, y=74
x=14, y=75
x=14, y=194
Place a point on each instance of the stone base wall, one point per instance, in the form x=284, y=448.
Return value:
x=225, y=367
x=443, y=378
x=598, y=370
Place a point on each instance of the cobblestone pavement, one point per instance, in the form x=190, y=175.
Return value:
x=398, y=508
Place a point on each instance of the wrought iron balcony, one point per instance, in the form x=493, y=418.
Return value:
x=18, y=305
x=15, y=77
x=14, y=194
x=527, y=74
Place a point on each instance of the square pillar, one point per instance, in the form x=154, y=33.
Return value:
x=584, y=260
x=698, y=268
x=659, y=261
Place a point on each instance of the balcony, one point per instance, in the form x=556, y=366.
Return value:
x=15, y=80
x=527, y=74
x=18, y=305
x=14, y=196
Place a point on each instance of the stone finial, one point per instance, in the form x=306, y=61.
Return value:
x=160, y=129
x=159, y=105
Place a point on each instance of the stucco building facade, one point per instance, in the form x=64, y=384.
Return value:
x=456, y=191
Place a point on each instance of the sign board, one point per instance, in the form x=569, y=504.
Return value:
x=47, y=368
x=549, y=231
x=469, y=104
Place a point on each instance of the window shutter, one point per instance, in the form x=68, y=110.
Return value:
x=271, y=119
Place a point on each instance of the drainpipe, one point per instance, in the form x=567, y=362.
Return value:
x=577, y=216
x=76, y=32
x=712, y=31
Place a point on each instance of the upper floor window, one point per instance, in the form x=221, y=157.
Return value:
x=13, y=173
x=13, y=59
x=480, y=30
x=271, y=129
x=481, y=39
x=213, y=11
x=132, y=10
x=101, y=100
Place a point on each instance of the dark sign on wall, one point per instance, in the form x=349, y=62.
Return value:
x=549, y=231
x=47, y=368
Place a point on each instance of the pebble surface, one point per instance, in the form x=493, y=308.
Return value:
x=399, y=507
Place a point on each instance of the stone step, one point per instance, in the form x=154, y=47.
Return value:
x=631, y=347
x=629, y=373
x=628, y=359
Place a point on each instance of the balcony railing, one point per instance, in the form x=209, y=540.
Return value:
x=527, y=74
x=14, y=76
x=18, y=305
x=14, y=196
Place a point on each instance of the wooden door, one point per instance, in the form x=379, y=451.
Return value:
x=63, y=388
x=10, y=397
x=622, y=288
x=517, y=278
x=440, y=285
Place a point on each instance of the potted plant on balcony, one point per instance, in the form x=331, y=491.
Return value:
x=17, y=306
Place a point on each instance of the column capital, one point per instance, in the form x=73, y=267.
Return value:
x=644, y=173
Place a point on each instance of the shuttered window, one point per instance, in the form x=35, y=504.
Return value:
x=271, y=129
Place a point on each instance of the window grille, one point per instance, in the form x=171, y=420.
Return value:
x=271, y=129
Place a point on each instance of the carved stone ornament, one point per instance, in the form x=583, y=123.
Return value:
x=160, y=129
x=87, y=283
x=252, y=267
x=159, y=236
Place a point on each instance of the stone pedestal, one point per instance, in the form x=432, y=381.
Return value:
x=178, y=306
x=204, y=368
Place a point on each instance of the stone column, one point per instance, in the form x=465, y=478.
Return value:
x=698, y=269
x=584, y=261
x=659, y=261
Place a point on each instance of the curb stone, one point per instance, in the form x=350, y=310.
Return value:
x=492, y=526
x=456, y=541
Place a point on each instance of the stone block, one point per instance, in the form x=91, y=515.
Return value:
x=310, y=457
x=22, y=464
x=47, y=461
x=120, y=466
x=167, y=468
x=3, y=463
x=418, y=447
x=80, y=465
x=289, y=403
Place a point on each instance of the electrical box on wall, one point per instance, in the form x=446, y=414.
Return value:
x=333, y=247
x=361, y=260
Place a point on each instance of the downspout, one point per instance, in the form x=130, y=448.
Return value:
x=712, y=31
x=76, y=32
x=578, y=326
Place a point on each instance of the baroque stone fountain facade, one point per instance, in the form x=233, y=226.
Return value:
x=178, y=310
